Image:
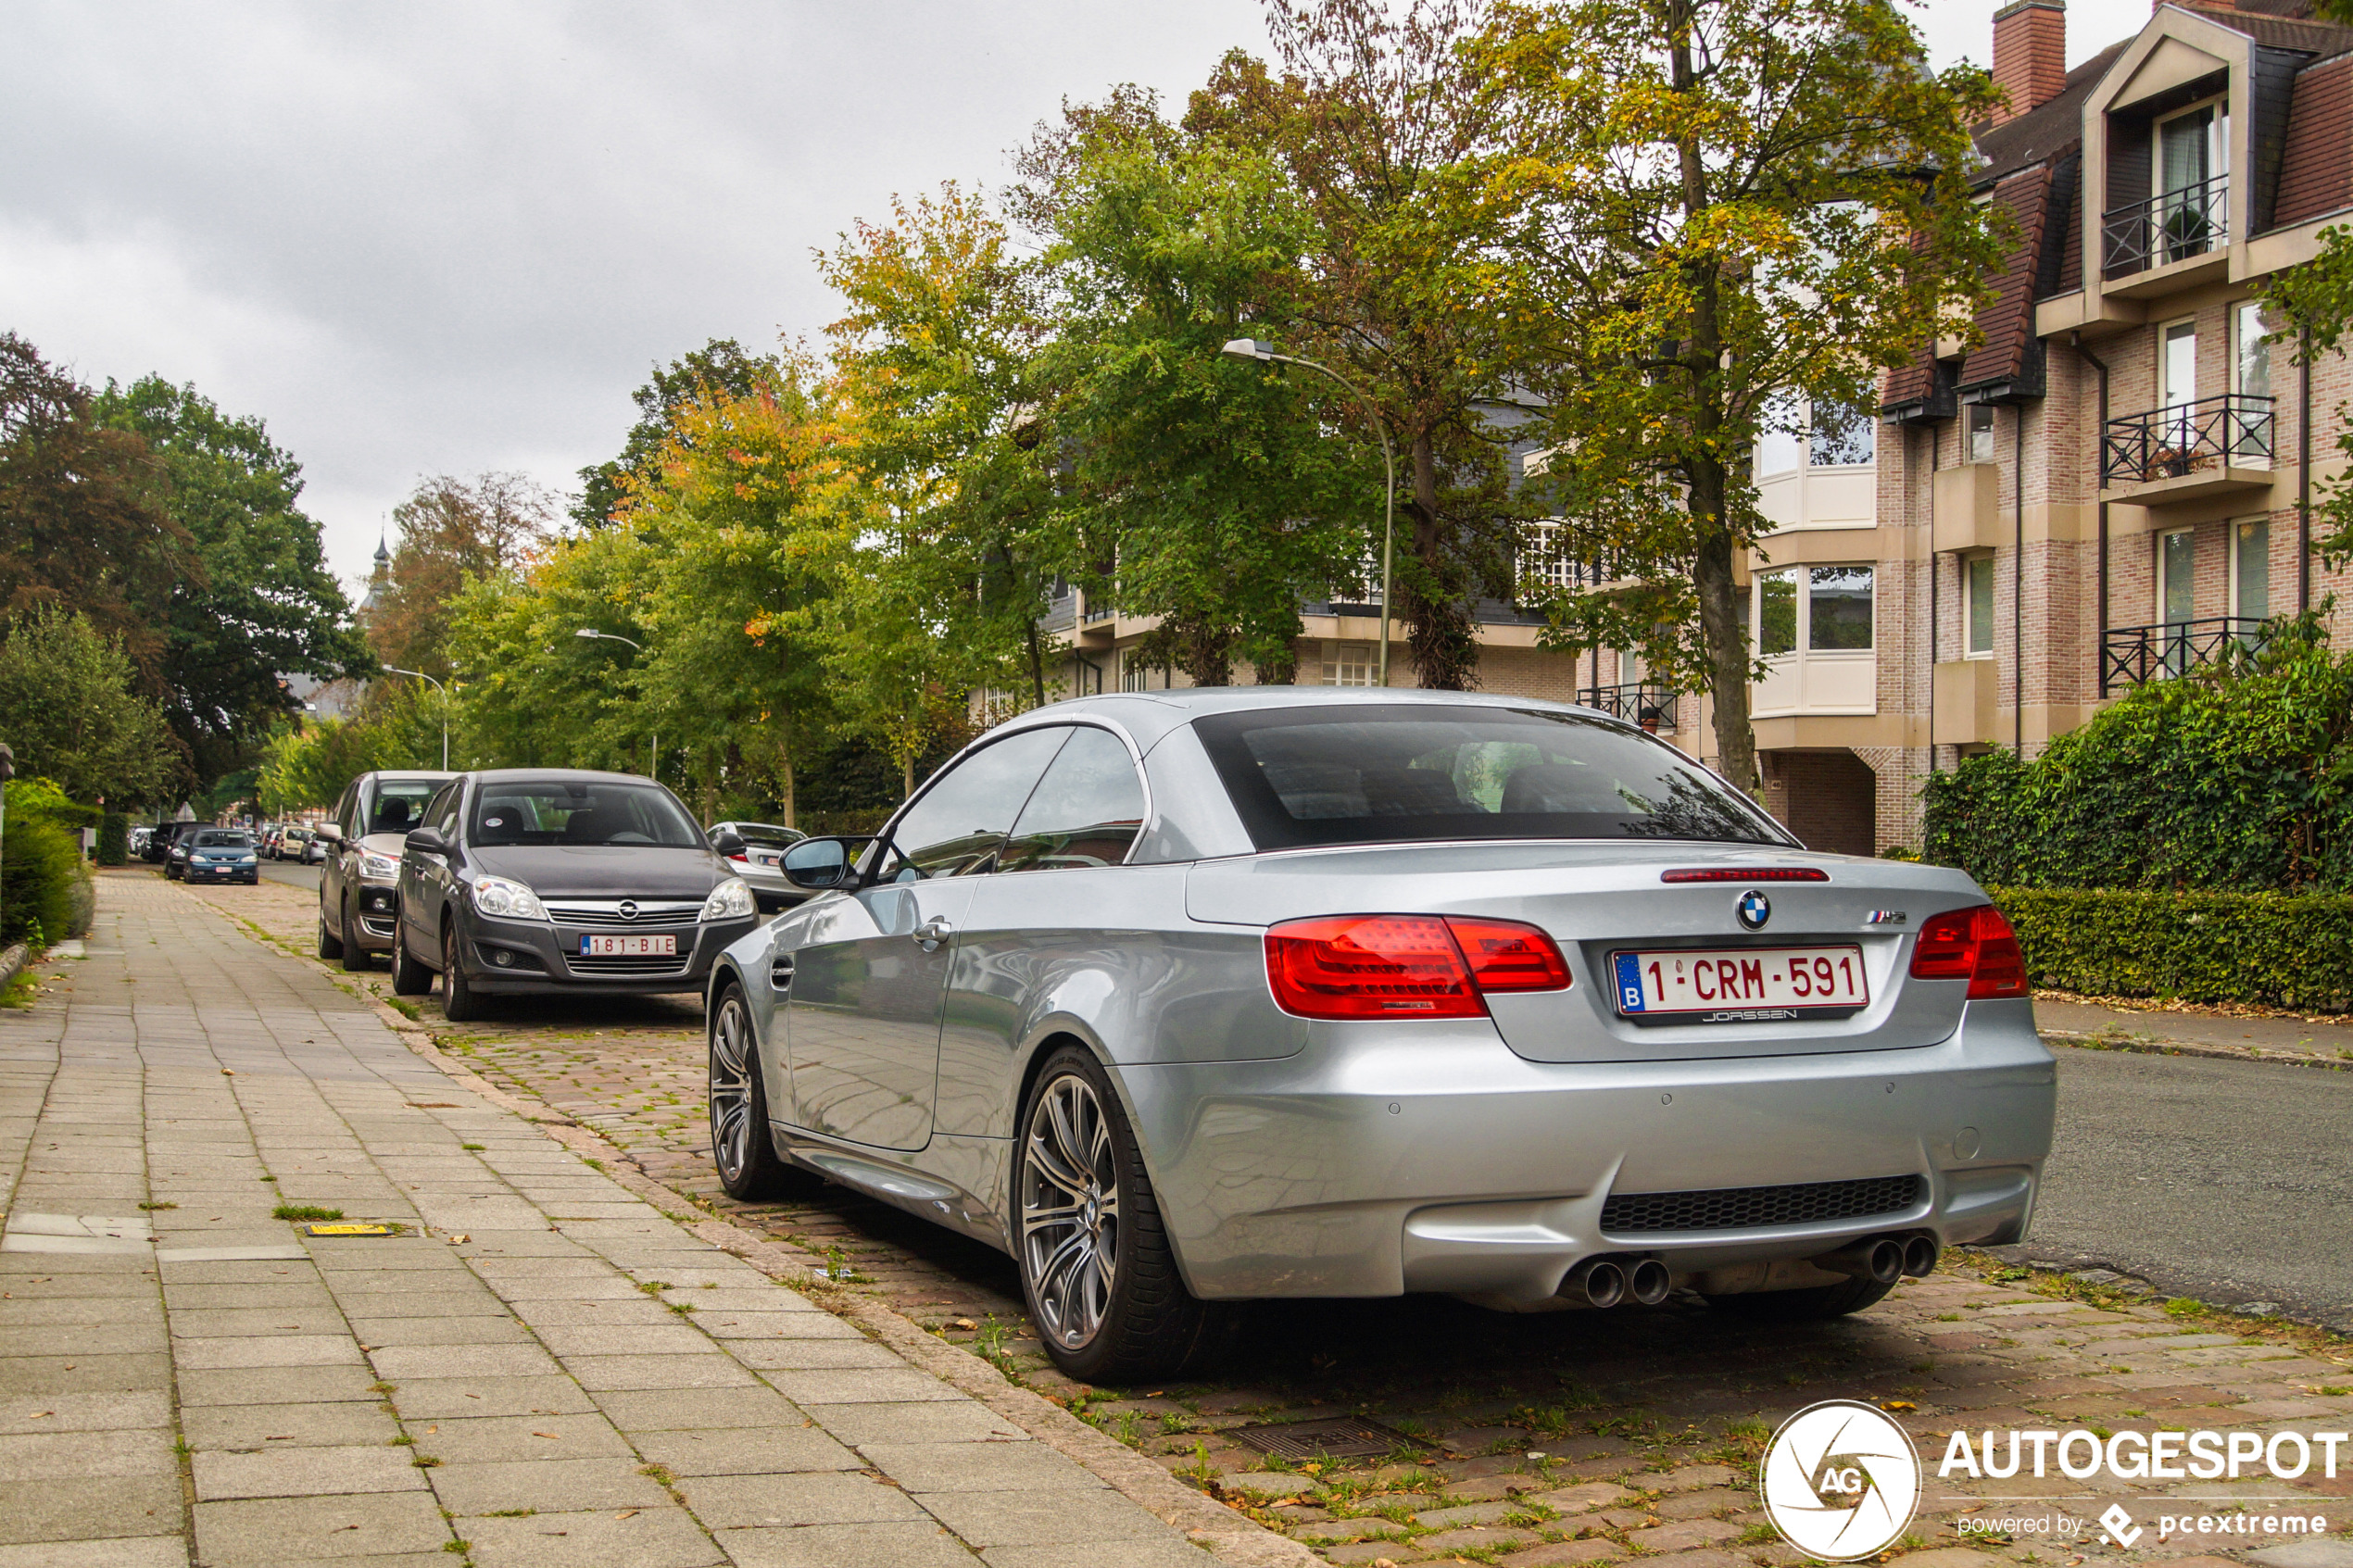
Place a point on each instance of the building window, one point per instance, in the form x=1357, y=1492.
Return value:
x=1776, y=613
x=2177, y=364
x=1980, y=432
x=1780, y=441
x=1839, y=608
x=2251, y=377
x=1978, y=571
x=2176, y=576
x=1841, y=434
x=2251, y=569
x=1133, y=673
x=1348, y=664
x=1544, y=567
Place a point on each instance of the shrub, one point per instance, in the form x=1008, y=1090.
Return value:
x=2239, y=777
x=114, y=840
x=2199, y=945
x=40, y=877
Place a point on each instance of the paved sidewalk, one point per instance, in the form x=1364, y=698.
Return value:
x=2190, y=1029
x=541, y=1369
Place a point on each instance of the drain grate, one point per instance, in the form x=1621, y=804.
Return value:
x=1344, y=1437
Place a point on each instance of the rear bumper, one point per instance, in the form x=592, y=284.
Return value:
x=1397, y=1157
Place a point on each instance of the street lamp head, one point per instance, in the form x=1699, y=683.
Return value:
x=1248, y=348
x=587, y=631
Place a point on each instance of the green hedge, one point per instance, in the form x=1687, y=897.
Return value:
x=40, y=878
x=2292, y=949
x=114, y=840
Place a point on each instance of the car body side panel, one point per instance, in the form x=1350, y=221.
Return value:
x=1193, y=817
x=1105, y=954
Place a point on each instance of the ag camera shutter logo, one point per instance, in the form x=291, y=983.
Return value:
x=1841, y=1481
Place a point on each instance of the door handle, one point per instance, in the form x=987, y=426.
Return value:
x=932, y=933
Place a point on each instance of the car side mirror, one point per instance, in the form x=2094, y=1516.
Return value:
x=819, y=863
x=729, y=844
x=330, y=833
x=426, y=841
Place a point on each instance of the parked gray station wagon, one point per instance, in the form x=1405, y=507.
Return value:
x=1191, y=997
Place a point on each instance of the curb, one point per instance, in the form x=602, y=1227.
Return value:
x=1232, y=1537
x=2153, y=1045
x=12, y=964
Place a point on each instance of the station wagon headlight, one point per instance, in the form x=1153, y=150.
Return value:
x=731, y=899
x=378, y=867
x=508, y=900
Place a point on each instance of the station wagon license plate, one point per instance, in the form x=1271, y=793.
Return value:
x=628, y=946
x=1739, y=985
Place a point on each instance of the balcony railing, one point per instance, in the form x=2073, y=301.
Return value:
x=2132, y=655
x=2233, y=430
x=2174, y=227
x=1640, y=702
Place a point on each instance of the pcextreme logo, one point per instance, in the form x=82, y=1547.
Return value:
x=1841, y=1481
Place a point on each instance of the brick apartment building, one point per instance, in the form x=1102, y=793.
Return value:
x=2108, y=489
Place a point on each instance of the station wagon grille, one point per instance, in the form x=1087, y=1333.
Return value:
x=635, y=966
x=1740, y=1209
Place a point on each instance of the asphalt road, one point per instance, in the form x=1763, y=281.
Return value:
x=2228, y=1181
x=291, y=873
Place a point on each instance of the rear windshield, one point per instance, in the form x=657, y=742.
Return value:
x=219, y=838
x=400, y=804
x=558, y=812
x=1352, y=774
x=766, y=833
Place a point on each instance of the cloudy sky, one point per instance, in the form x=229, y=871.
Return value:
x=425, y=238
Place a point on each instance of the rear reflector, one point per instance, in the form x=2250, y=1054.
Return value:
x=1406, y=966
x=1754, y=874
x=1976, y=945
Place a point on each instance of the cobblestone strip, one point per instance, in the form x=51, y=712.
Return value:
x=540, y=1368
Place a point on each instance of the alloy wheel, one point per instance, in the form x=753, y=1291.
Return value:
x=1069, y=1210
x=731, y=1128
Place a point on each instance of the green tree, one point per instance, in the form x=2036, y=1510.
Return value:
x=450, y=529
x=83, y=517
x=1372, y=116
x=719, y=369
x=262, y=603
x=1701, y=210
x=1218, y=492
x=942, y=415
x=71, y=707
x=2313, y=305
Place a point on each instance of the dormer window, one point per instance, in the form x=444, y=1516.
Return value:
x=2192, y=170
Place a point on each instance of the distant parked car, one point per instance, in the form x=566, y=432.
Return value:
x=218, y=855
x=755, y=855
x=159, y=841
x=300, y=845
x=360, y=876
x=561, y=880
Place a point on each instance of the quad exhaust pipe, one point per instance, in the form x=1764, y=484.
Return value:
x=1606, y=1282
x=1883, y=1260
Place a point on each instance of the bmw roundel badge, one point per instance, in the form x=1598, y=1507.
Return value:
x=1754, y=909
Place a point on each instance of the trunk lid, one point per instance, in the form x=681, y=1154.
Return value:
x=1598, y=898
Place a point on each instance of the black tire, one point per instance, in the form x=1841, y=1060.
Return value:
x=1813, y=1304
x=1145, y=1324
x=741, y=1145
x=410, y=978
x=355, y=957
x=458, y=1002
x=329, y=945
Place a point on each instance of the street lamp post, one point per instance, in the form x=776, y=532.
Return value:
x=653, y=740
x=420, y=675
x=1252, y=348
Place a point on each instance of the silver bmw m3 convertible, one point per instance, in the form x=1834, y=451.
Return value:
x=1191, y=997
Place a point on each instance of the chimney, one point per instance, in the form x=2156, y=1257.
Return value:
x=2030, y=52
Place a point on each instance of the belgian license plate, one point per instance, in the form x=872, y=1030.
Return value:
x=628, y=946
x=1739, y=985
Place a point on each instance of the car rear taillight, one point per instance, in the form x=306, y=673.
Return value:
x=1406, y=966
x=1976, y=945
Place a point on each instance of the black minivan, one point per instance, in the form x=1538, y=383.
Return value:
x=562, y=880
